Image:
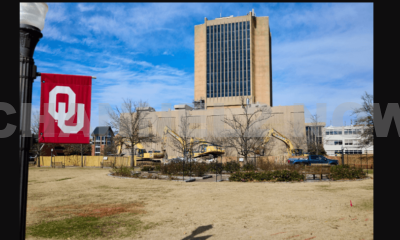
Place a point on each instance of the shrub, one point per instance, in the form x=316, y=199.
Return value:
x=147, y=168
x=199, y=169
x=279, y=175
x=249, y=167
x=232, y=166
x=346, y=172
x=215, y=167
x=157, y=167
x=121, y=171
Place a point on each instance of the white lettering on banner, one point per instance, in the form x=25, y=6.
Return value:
x=61, y=116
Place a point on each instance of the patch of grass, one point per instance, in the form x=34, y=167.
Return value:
x=370, y=171
x=87, y=227
x=63, y=179
x=90, y=221
x=366, y=205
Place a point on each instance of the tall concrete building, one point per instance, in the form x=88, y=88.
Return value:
x=233, y=59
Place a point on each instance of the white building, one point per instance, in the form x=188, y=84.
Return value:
x=347, y=137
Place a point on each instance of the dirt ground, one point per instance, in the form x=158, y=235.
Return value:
x=204, y=210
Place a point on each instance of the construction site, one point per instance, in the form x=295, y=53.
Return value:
x=233, y=70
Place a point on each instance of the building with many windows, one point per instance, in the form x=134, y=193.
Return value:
x=101, y=137
x=347, y=137
x=233, y=60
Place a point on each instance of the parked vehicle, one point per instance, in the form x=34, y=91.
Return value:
x=313, y=159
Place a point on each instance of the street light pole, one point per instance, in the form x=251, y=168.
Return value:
x=32, y=17
x=342, y=155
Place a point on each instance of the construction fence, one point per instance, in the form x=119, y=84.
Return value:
x=86, y=161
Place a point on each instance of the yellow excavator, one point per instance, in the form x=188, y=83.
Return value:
x=141, y=153
x=289, y=146
x=203, y=149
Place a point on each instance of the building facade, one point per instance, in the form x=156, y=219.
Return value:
x=344, y=138
x=314, y=132
x=101, y=137
x=233, y=60
x=210, y=123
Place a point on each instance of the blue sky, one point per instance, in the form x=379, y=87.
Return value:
x=321, y=52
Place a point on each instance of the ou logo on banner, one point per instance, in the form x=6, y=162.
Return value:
x=61, y=116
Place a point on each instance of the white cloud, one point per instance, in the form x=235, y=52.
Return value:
x=55, y=33
x=84, y=7
x=56, y=13
x=167, y=53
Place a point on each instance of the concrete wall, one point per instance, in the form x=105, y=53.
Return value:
x=200, y=55
x=261, y=61
x=210, y=122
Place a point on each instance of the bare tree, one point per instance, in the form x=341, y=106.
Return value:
x=36, y=147
x=185, y=143
x=109, y=149
x=77, y=149
x=119, y=142
x=365, y=117
x=246, y=131
x=315, y=144
x=131, y=123
x=297, y=134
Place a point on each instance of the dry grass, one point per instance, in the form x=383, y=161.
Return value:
x=115, y=208
x=93, y=209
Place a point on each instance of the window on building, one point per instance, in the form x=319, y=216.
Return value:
x=338, y=142
x=338, y=151
x=353, y=151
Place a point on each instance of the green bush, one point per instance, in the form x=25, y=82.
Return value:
x=199, y=169
x=346, y=172
x=121, y=171
x=249, y=167
x=232, y=166
x=147, y=168
x=215, y=167
x=279, y=175
x=157, y=167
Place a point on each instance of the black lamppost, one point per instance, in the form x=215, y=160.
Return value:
x=31, y=22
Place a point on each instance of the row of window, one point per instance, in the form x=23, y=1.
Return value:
x=346, y=132
x=216, y=76
x=340, y=142
x=228, y=66
x=349, y=151
x=229, y=27
x=334, y=142
x=228, y=47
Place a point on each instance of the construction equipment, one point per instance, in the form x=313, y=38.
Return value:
x=289, y=146
x=141, y=153
x=204, y=148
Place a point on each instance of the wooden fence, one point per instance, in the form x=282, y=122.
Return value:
x=88, y=161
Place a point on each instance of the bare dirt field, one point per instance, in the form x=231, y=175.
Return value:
x=75, y=203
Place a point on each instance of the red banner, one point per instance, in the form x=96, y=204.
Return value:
x=65, y=108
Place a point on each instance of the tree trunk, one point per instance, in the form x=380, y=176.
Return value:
x=132, y=159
